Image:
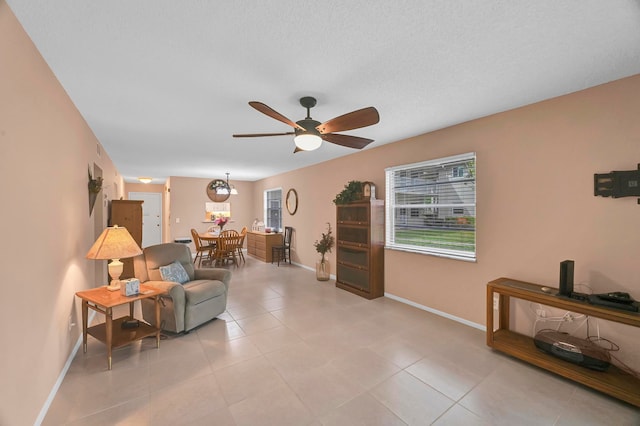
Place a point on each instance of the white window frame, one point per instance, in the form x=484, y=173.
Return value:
x=403, y=172
x=267, y=222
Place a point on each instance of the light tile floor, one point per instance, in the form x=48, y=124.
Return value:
x=291, y=350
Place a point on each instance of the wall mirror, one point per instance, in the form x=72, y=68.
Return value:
x=292, y=201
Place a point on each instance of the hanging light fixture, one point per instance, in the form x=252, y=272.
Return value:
x=232, y=189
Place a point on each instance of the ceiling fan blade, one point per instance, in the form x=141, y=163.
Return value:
x=267, y=110
x=259, y=135
x=353, y=120
x=347, y=140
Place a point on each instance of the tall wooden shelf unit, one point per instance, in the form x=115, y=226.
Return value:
x=127, y=214
x=614, y=381
x=360, y=248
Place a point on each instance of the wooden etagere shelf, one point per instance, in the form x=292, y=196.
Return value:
x=360, y=248
x=613, y=382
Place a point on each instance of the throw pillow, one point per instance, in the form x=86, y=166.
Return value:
x=174, y=272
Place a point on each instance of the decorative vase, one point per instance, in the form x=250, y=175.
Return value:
x=323, y=270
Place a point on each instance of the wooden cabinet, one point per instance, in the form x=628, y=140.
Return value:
x=614, y=381
x=259, y=244
x=360, y=248
x=127, y=214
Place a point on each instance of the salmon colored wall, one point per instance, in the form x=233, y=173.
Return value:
x=45, y=223
x=188, y=198
x=142, y=187
x=535, y=203
x=535, y=208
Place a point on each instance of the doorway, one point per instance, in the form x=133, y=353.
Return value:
x=151, y=216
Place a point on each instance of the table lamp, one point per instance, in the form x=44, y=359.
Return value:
x=114, y=243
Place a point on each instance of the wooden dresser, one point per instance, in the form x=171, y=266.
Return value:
x=259, y=244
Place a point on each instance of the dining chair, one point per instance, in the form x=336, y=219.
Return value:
x=243, y=234
x=283, y=251
x=201, y=249
x=226, y=249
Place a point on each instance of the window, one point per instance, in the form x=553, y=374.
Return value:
x=273, y=208
x=431, y=207
x=458, y=171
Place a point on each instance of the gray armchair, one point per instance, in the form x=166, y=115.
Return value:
x=183, y=306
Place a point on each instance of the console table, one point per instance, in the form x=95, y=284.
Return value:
x=614, y=381
x=111, y=332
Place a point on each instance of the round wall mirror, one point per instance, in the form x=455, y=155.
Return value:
x=292, y=201
x=218, y=190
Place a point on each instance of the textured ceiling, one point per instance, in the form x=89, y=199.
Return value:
x=164, y=84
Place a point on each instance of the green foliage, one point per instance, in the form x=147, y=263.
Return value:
x=352, y=192
x=95, y=185
x=325, y=244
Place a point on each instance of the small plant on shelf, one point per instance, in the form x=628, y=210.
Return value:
x=352, y=192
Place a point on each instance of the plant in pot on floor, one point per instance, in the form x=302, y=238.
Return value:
x=324, y=246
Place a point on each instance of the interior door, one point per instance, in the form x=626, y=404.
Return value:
x=151, y=216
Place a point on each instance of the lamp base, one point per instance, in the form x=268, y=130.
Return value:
x=114, y=286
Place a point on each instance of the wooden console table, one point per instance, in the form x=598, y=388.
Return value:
x=111, y=332
x=614, y=381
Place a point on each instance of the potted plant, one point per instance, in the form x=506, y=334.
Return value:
x=352, y=192
x=324, y=246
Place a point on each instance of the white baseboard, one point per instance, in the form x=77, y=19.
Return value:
x=437, y=312
x=63, y=373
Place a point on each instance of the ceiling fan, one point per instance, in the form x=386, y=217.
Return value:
x=310, y=133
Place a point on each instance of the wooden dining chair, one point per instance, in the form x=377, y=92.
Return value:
x=227, y=246
x=201, y=249
x=283, y=251
x=243, y=234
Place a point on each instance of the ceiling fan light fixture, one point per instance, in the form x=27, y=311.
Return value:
x=308, y=141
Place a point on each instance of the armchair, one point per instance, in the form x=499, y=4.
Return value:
x=183, y=306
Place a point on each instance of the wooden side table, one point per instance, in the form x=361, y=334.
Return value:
x=111, y=332
x=614, y=381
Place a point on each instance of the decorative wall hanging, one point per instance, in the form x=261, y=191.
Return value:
x=218, y=190
x=95, y=186
x=292, y=201
x=617, y=184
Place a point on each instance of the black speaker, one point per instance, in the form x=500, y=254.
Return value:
x=566, y=278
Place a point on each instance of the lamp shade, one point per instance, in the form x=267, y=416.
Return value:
x=114, y=243
x=308, y=141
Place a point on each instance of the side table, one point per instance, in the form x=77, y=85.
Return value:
x=111, y=332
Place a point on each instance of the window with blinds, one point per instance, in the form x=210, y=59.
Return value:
x=431, y=207
x=273, y=208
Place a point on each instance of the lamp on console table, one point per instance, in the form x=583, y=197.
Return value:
x=114, y=243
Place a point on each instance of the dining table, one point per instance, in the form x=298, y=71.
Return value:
x=209, y=237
